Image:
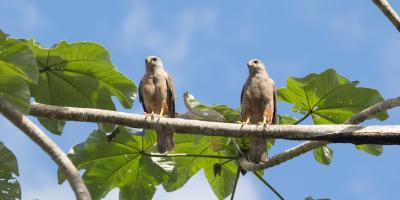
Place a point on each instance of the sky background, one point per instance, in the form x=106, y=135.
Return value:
x=204, y=46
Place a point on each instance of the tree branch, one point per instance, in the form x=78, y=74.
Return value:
x=310, y=145
x=40, y=138
x=391, y=14
x=389, y=134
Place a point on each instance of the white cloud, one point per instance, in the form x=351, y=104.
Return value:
x=21, y=16
x=137, y=31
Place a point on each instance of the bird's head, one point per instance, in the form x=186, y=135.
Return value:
x=153, y=63
x=255, y=66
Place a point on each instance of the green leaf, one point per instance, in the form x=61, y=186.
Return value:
x=230, y=114
x=79, y=75
x=188, y=166
x=221, y=184
x=311, y=198
x=9, y=185
x=17, y=66
x=213, y=112
x=18, y=58
x=329, y=97
x=15, y=90
x=373, y=149
x=123, y=163
x=323, y=155
x=286, y=120
x=3, y=35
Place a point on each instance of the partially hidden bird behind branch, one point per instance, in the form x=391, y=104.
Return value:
x=258, y=104
x=157, y=95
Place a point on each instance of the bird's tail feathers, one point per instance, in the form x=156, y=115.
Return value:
x=165, y=141
x=258, y=150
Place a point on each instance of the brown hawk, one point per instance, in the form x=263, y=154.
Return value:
x=157, y=95
x=258, y=106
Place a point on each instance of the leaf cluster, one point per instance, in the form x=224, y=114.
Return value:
x=82, y=75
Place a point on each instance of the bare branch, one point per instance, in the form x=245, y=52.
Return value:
x=389, y=12
x=40, y=138
x=374, y=110
x=310, y=145
x=332, y=133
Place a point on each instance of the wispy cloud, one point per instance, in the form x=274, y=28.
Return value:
x=20, y=16
x=137, y=31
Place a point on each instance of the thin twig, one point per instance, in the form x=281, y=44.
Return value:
x=236, y=182
x=51, y=148
x=268, y=185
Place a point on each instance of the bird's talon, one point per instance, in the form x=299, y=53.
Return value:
x=242, y=123
x=146, y=114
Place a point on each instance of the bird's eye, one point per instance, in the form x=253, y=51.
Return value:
x=256, y=62
x=154, y=59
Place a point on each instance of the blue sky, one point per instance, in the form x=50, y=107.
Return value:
x=205, y=45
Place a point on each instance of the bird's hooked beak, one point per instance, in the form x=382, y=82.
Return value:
x=151, y=59
x=248, y=64
x=253, y=63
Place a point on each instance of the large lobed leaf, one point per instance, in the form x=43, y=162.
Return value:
x=222, y=183
x=80, y=75
x=123, y=163
x=17, y=67
x=9, y=185
x=330, y=99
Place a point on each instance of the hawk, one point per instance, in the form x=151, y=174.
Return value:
x=157, y=95
x=258, y=106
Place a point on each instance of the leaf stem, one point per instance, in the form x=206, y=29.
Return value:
x=303, y=118
x=268, y=185
x=227, y=161
x=189, y=155
x=236, y=181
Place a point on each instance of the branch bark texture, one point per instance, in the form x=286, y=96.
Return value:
x=333, y=133
x=389, y=12
x=40, y=138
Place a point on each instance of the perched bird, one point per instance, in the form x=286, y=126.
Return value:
x=157, y=95
x=258, y=106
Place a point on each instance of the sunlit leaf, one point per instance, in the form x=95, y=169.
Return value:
x=329, y=98
x=18, y=58
x=323, y=155
x=17, y=67
x=79, y=75
x=373, y=149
